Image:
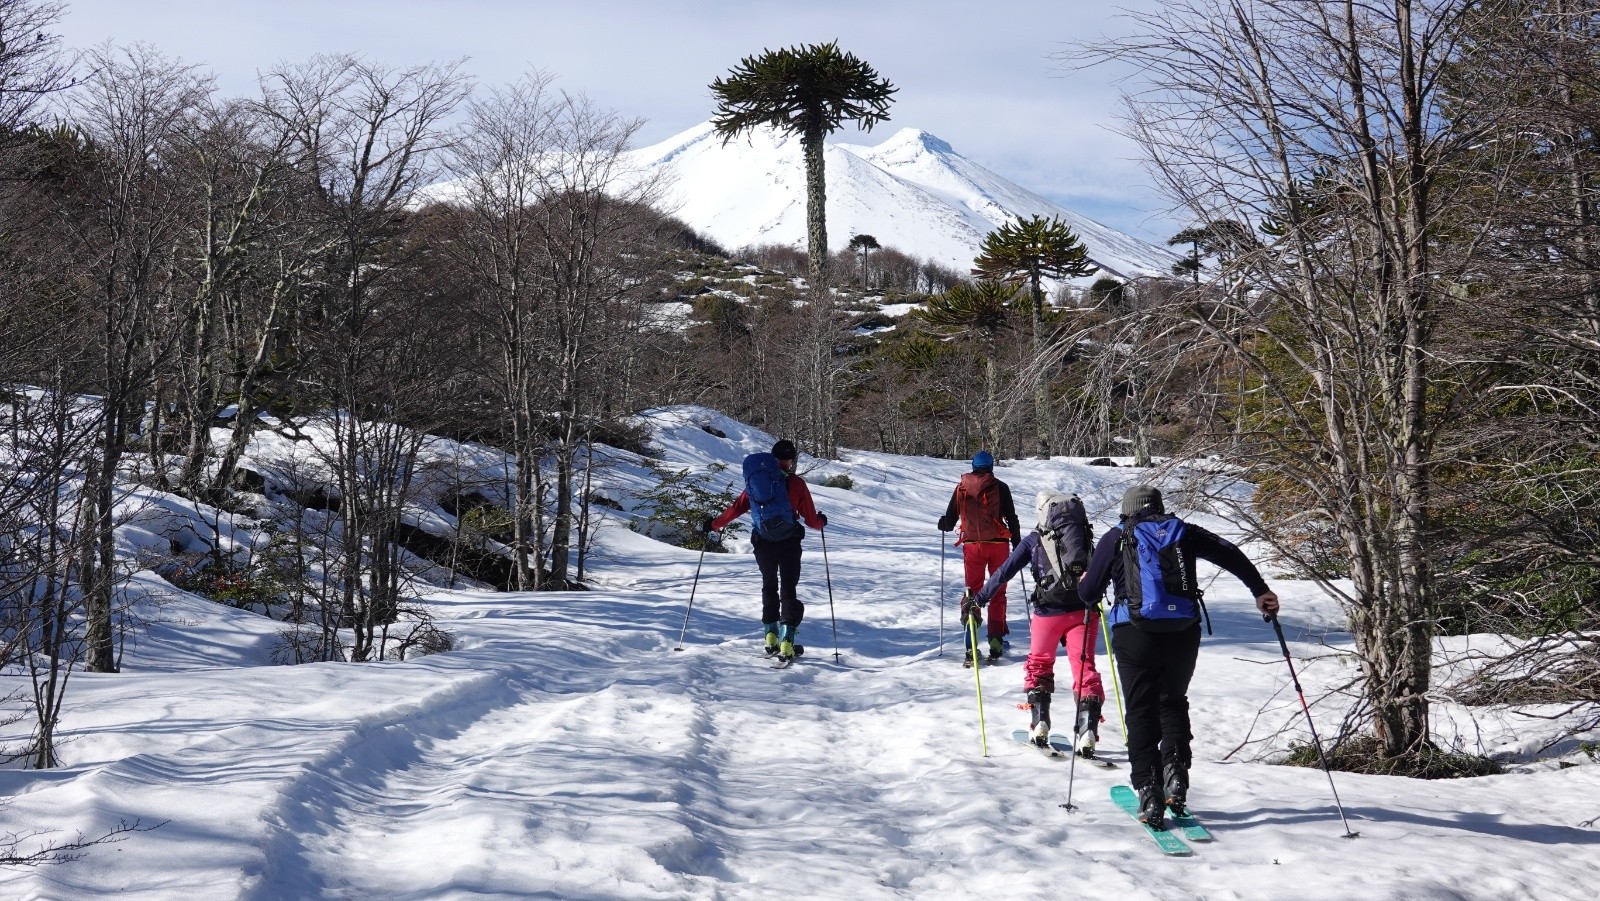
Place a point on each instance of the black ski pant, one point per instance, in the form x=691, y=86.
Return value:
x=1155, y=668
x=780, y=574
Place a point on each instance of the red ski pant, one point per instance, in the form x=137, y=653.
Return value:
x=1046, y=633
x=981, y=559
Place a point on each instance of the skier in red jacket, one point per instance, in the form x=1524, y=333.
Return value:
x=989, y=529
x=778, y=552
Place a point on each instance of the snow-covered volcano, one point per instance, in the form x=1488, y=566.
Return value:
x=913, y=192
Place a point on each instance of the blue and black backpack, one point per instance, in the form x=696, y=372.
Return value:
x=1163, y=594
x=767, y=486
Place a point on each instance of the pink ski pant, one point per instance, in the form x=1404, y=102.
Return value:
x=1046, y=632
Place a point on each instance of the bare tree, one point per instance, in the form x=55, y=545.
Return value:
x=132, y=109
x=594, y=223
x=244, y=263
x=361, y=136
x=32, y=67
x=1326, y=125
x=556, y=233
x=498, y=156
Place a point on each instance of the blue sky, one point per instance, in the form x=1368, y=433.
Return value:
x=977, y=74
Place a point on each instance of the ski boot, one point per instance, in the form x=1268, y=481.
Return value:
x=996, y=648
x=1175, y=784
x=967, y=660
x=1087, y=731
x=786, y=643
x=1152, y=807
x=1039, y=732
x=772, y=638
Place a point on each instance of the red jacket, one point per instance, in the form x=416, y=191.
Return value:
x=799, y=499
x=998, y=525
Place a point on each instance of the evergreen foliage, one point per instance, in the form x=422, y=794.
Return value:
x=984, y=308
x=1032, y=250
x=863, y=245
x=809, y=91
x=1106, y=290
x=680, y=502
x=982, y=311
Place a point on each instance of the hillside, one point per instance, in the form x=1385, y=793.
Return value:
x=563, y=749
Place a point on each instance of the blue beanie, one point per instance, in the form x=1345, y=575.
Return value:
x=982, y=460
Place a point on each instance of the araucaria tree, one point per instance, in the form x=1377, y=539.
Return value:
x=1030, y=251
x=862, y=245
x=810, y=91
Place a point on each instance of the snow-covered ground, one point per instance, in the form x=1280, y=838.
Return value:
x=566, y=750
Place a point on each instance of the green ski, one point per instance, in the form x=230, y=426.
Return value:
x=1167, y=841
x=1190, y=824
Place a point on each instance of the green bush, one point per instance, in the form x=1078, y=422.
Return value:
x=239, y=587
x=482, y=523
x=842, y=480
x=680, y=502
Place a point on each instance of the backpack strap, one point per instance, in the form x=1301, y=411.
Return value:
x=1051, y=541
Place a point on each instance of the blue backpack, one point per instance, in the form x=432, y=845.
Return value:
x=1163, y=595
x=767, y=486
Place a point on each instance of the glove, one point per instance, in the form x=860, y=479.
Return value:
x=972, y=606
x=946, y=523
x=706, y=526
x=823, y=517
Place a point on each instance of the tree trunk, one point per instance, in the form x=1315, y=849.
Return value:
x=1044, y=423
x=821, y=297
x=816, y=212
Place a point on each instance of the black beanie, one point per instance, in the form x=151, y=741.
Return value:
x=1141, y=497
x=784, y=449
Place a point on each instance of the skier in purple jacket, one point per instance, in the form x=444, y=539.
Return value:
x=1058, y=550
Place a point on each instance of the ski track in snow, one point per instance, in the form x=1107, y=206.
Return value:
x=565, y=750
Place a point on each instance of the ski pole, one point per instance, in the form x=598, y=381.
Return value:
x=983, y=732
x=1116, y=684
x=703, y=542
x=1085, y=643
x=942, y=542
x=823, y=533
x=1295, y=678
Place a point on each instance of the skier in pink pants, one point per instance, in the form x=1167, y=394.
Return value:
x=1058, y=550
